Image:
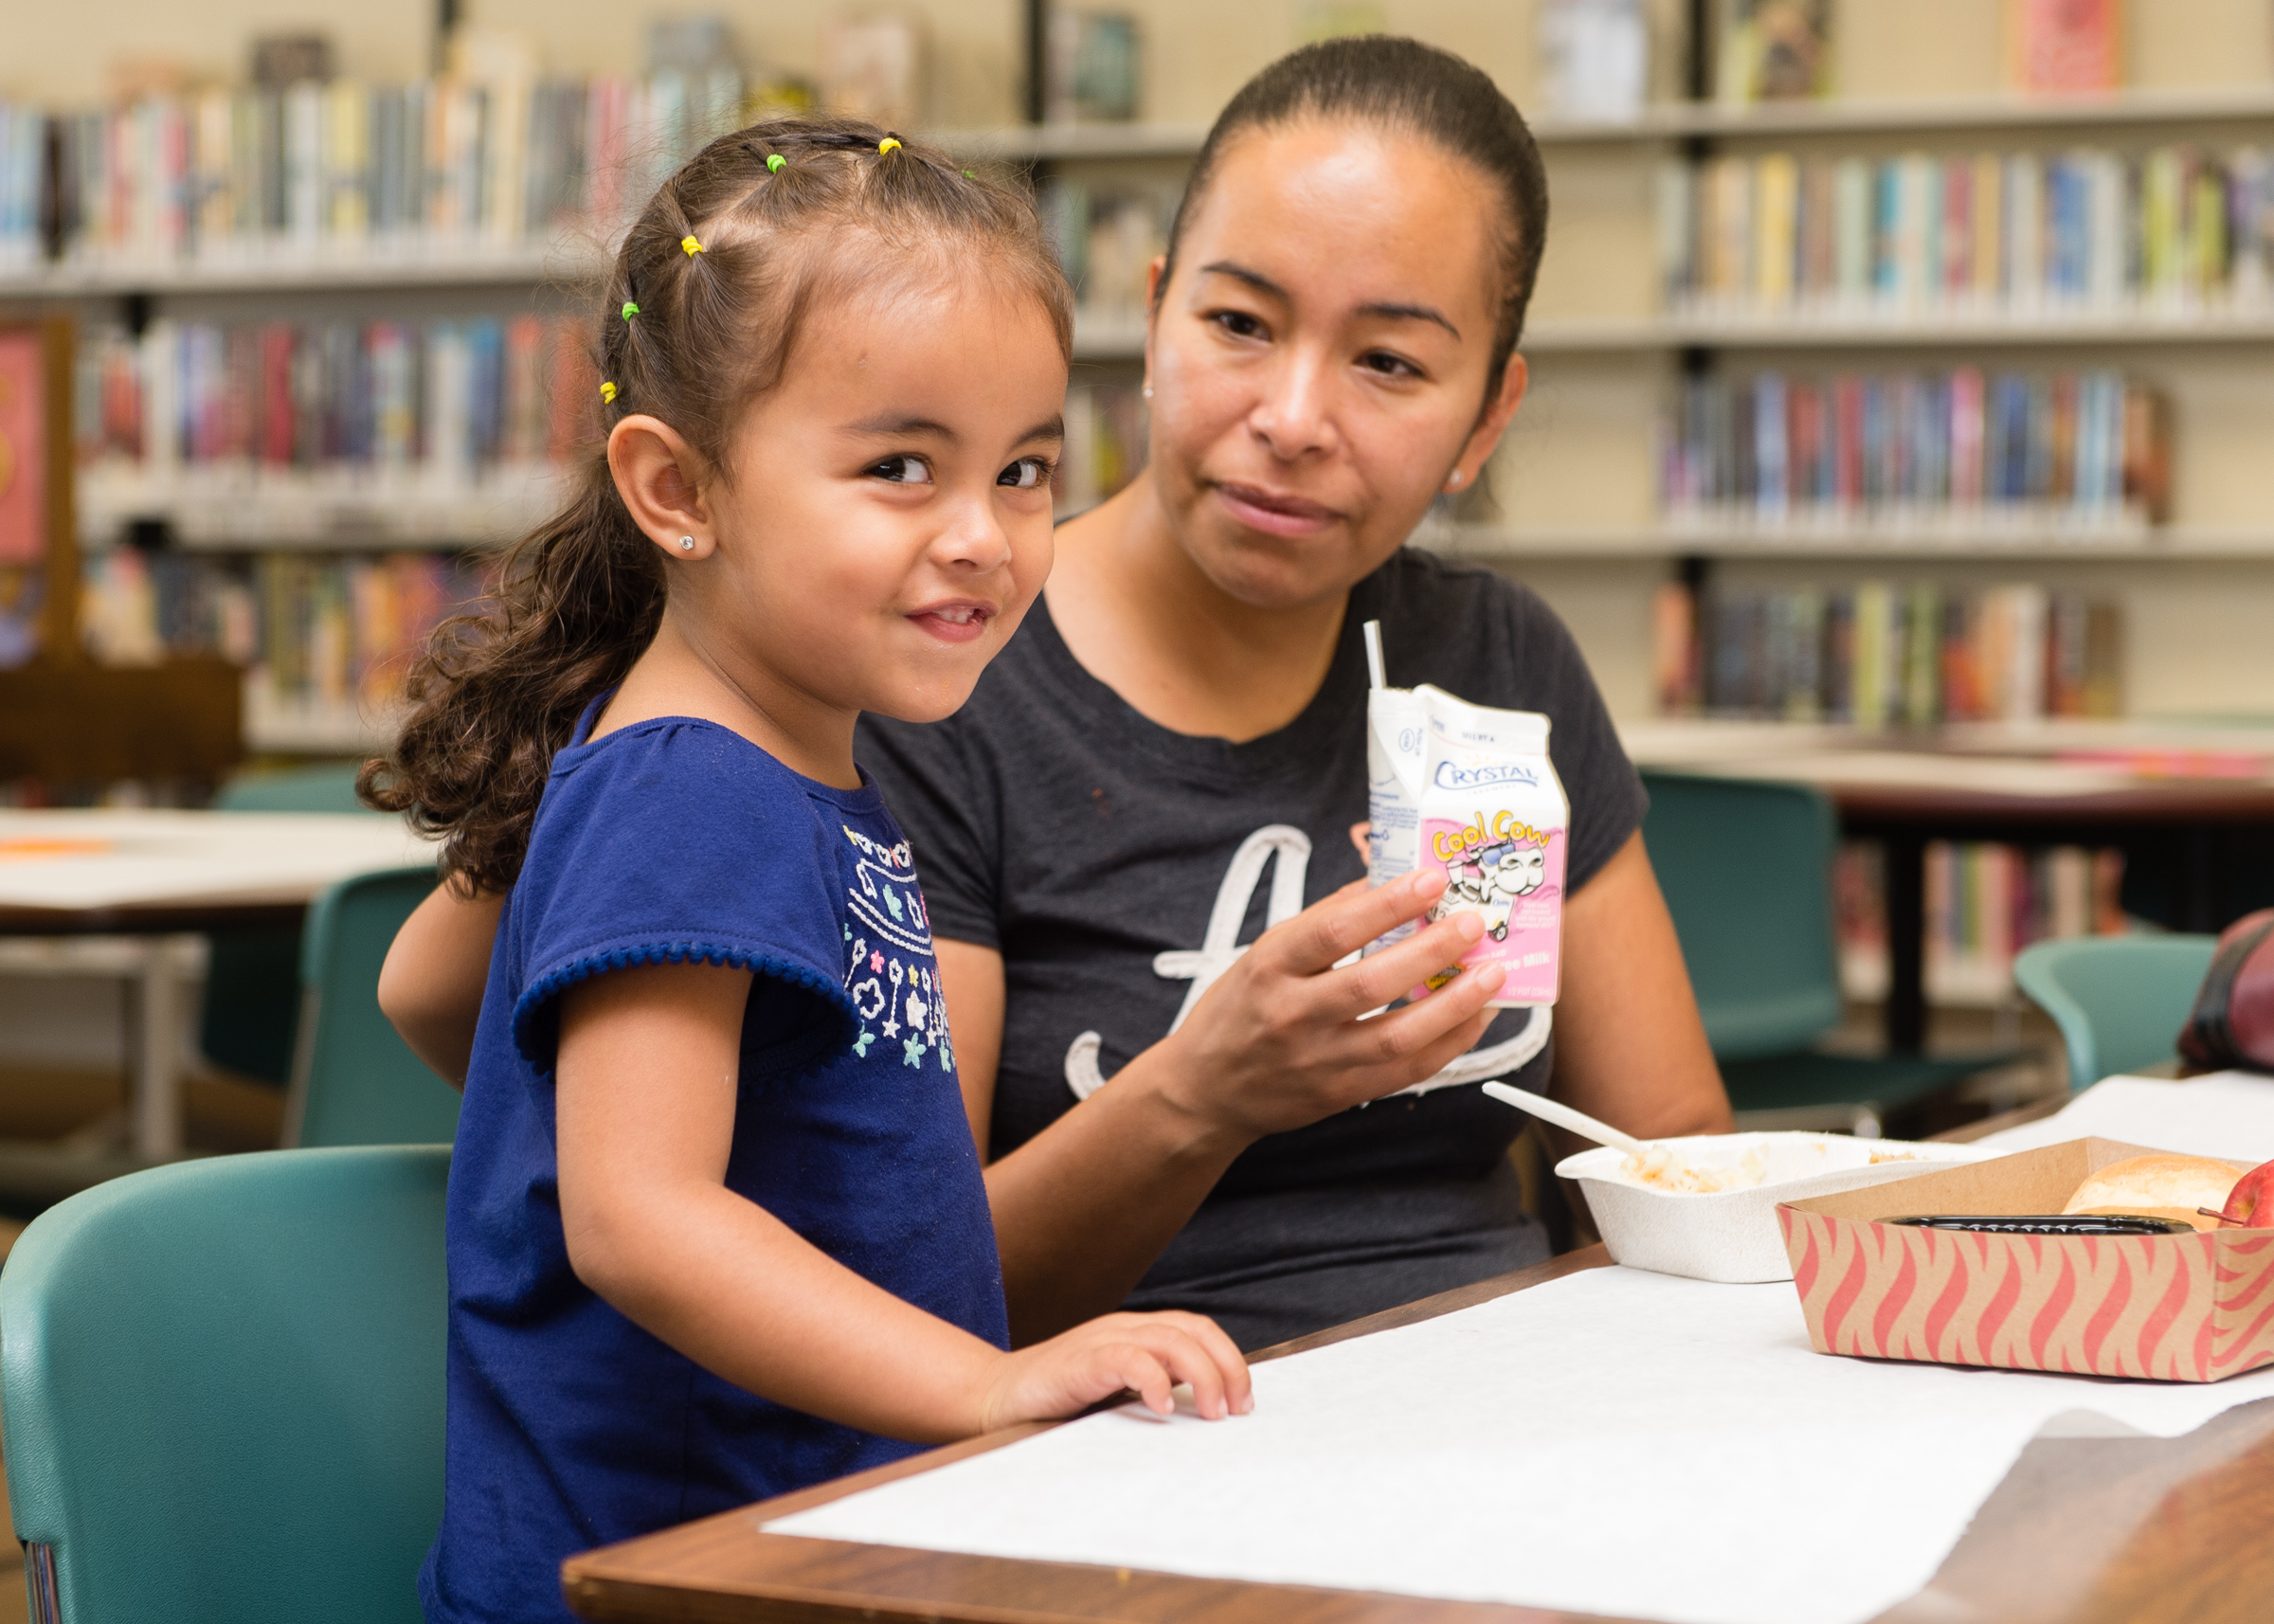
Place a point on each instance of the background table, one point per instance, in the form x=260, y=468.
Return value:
x=2022, y=786
x=144, y=879
x=2082, y=1530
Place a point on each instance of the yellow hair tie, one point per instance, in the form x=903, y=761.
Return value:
x=691, y=246
x=887, y=145
x=608, y=393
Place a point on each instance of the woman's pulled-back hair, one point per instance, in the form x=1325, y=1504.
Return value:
x=757, y=232
x=1401, y=85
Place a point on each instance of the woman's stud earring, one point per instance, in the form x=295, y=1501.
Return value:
x=1454, y=480
x=1149, y=388
x=686, y=544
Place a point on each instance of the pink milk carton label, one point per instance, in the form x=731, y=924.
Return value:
x=1494, y=821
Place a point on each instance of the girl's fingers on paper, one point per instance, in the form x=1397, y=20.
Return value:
x=1136, y=1368
x=1223, y=1354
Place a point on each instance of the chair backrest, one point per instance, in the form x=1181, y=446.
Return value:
x=353, y=1081
x=252, y=984
x=330, y=788
x=2119, y=1001
x=1746, y=869
x=222, y=1388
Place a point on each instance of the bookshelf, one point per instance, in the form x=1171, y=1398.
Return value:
x=2046, y=546
x=1573, y=501
x=1666, y=122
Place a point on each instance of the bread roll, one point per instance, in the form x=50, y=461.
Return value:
x=2157, y=1186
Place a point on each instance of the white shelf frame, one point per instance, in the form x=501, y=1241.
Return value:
x=2170, y=544
x=1681, y=120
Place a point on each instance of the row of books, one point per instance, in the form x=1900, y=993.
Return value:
x=320, y=173
x=2175, y=229
x=451, y=397
x=1880, y=654
x=2065, y=450
x=1105, y=445
x=1985, y=903
x=341, y=632
x=1106, y=241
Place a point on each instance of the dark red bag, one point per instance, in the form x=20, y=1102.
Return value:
x=2232, y=1023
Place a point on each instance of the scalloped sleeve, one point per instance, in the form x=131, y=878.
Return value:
x=678, y=842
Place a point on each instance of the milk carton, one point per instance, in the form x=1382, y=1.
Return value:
x=1394, y=725
x=1493, y=819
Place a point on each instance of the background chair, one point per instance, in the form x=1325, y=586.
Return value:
x=1746, y=871
x=2119, y=1001
x=222, y=1384
x=353, y=1081
x=252, y=980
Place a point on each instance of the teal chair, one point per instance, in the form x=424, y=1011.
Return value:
x=252, y=984
x=1746, y=871
x=2119, y=1001
x=353, y=1081
x=222, y=1388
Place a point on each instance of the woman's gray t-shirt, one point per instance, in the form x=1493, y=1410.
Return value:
x=1115, y=865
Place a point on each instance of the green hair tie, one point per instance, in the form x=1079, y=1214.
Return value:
x=968, y=175
x=630, y=309
x=774, y=163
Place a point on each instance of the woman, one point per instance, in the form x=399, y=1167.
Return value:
x=1167, y=760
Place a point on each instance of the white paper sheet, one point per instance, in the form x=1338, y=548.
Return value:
x=2228, y=1115
x=1613, y=1442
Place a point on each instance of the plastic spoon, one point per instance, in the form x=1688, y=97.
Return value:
x=1563, y=1116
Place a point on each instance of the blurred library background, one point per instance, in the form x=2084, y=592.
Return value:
x=1900, y=392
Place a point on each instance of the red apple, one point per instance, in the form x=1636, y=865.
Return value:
x=2250, y=1203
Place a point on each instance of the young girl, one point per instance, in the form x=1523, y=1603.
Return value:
x=717, y=1228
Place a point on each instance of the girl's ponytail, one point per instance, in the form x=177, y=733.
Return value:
x=703, y=300
x=499, y=691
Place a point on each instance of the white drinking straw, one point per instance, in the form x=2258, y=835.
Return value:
x=1374, y=666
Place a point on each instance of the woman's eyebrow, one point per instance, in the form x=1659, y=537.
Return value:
x=1388, y=310
x=1256, y=280
x=1409, y=313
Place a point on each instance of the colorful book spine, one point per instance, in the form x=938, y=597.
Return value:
x=1876, y=654
x=2079, y=456
x=446, y=400
x=315, y=173
x=2175, y=229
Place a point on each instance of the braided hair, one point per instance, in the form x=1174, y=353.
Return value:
x=703, y=305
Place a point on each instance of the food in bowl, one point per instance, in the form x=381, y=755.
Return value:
x=1661, y=1167
x=1706, y=1206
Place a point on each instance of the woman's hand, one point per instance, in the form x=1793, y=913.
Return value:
x=1283, y=1038
x=1147, y=1354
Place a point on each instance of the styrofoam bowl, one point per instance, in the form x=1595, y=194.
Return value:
x=1731, y=1236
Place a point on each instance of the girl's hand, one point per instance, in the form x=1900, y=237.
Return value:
x=1147, y=1354
x=1278, y=1043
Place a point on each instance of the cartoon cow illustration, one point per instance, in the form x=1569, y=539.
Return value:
x=1491, y=880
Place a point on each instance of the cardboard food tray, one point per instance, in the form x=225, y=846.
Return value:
x=2176, y=1307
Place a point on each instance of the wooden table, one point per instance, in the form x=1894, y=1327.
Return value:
x=1981, y=786
x=2081, y=1531
x=149, y=882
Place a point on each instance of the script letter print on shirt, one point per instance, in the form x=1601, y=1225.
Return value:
x=1219, y=946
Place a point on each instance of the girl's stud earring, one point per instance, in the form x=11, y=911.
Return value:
x=1149, y=388
x=686, y=544
x=1454, y=480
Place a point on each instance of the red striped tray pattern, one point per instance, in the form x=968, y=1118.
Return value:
x=2188, y=1307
